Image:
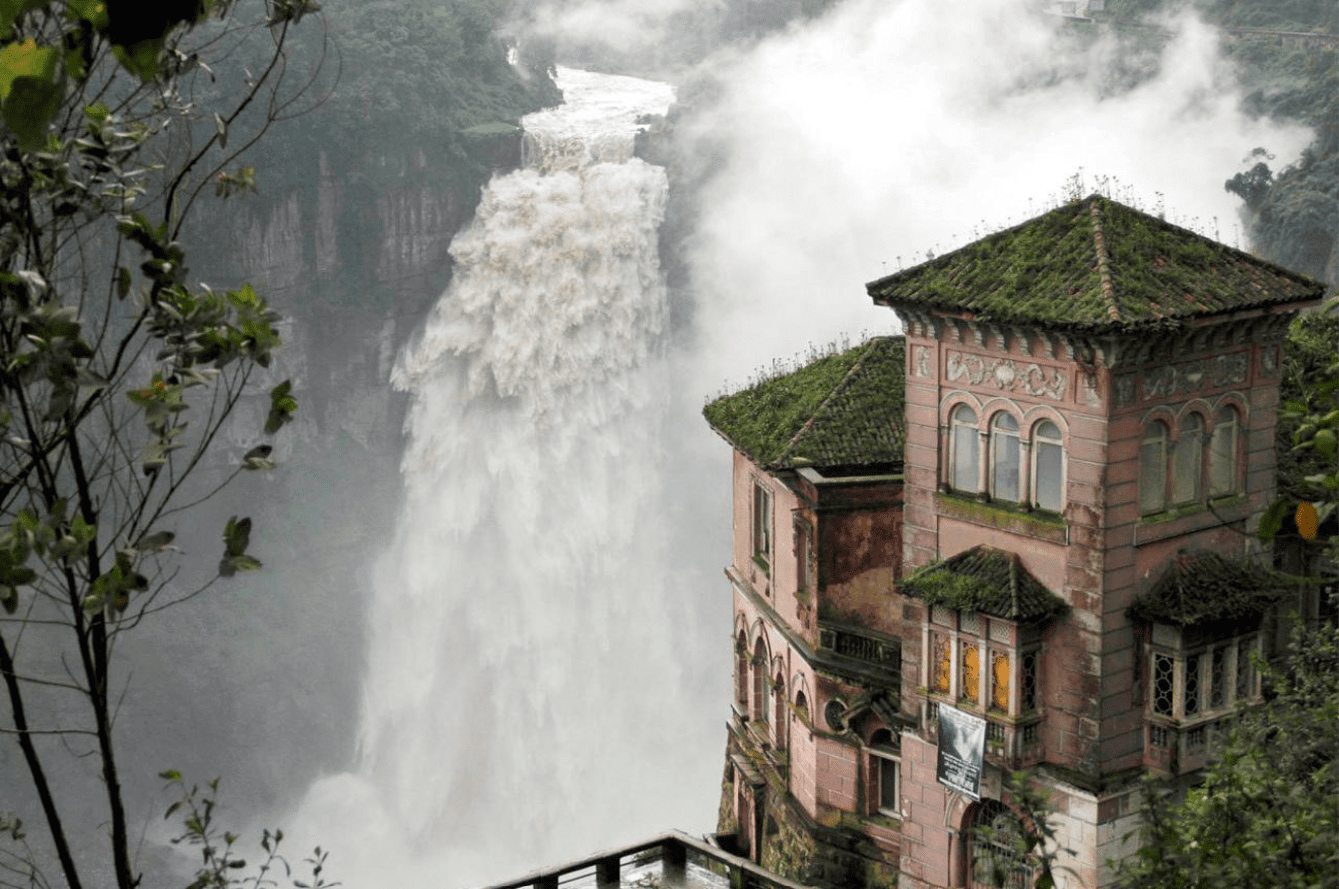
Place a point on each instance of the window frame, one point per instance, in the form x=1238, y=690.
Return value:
x=884, y=759
x=762, y=523
x=1152, y=478
x=1187, y=461
x=963, y=430
x=1225, y=459
x=1188, y=693
x=1040, y=439
x=1000, y=435
x=804, y=555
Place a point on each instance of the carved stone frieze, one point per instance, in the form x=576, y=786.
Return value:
x=1185, y=378
x=1042, y=381
x=922, y=361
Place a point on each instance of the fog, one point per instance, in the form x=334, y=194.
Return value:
x=808, y=162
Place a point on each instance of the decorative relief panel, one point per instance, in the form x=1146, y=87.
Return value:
x=922, y=361
x=1040, y=380
x=1186, y=378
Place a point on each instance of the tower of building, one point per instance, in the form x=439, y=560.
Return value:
x=1019, y=537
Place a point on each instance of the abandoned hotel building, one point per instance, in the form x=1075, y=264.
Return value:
x=1017, y=537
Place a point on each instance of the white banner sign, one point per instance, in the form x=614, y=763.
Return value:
x=962, y=747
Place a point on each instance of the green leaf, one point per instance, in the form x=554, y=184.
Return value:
x=26, y=59
x=258, y=458
x=1272, y=521
x=29, y=106
x=232, y=564
x=282, y=407
x=170, y=775
x=155, y=541
x=141, y=58
x=236, y=536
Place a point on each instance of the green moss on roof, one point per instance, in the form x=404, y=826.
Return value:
x=1094, y=264
x=1204, y=588
x=987, y=580
x=840, y=410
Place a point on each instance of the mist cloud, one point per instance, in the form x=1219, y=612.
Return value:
x=854, y=145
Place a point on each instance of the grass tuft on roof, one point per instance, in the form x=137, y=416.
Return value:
x=844, y=409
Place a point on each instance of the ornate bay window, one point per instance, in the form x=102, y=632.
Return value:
x=984, y=618
x=1201, y=621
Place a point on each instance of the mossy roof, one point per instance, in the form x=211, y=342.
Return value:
x=841, y=410
x=1201, y=588
x=988, y=580
x=1094, y=264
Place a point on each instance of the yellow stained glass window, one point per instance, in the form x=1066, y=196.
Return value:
x=971, y=672
x=999, y=681
x=939, y=679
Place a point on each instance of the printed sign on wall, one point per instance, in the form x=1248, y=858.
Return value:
x=962, y=747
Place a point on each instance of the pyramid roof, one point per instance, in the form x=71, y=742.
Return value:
x=984, y=579
x=1094, y=264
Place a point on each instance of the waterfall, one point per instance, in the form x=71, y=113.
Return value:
x=521, y=659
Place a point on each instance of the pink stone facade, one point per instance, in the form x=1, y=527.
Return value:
x=839, y=673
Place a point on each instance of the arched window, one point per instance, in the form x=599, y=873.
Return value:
x=759, y=682
x=964, y=459
x=1187, y=460
x=996, y=848
x=1223, y=453
x=1153, y=469
x=885, y=761
x=802, y=706
x=1004, y=458
x=1048, y=467
x=742, y=672
x=779, y=720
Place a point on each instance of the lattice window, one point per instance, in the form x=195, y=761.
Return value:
x=1218, y=678
x=1028, y=690
x=1245, y=669
x=970, y=622
x=1191, y=700
x=1163, y=684
x=942, y=668
x=971, y=672
x=999, y=680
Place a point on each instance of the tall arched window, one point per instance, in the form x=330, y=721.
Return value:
x=759, y=713
x=1048, y=467
x=996, y=847
x=964, y=459
x=1187, y=460
x=1223, y=453
x=1004, y=458
x=779, y=720
x=1153, y=469
x=742, y=672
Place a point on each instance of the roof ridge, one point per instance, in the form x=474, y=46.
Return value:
x=808, y=424
x=1103, y=261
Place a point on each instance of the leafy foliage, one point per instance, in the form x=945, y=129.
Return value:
x=118, y=372
x=1265, y=814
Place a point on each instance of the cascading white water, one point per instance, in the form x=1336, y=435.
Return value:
x=521, y=657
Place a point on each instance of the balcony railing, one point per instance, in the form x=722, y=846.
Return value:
x=671, y=861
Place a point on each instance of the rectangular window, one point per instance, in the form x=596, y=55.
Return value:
x=971, y=672
x=999, y=681
x=1163, y=684
x=941, y=671
x=889, y=796
x=1245, y=669
x=1218, y=678
x=1048, y=485
x=1028, y=691
x=804, y=554
x=762, y=523
x=1192, y=693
